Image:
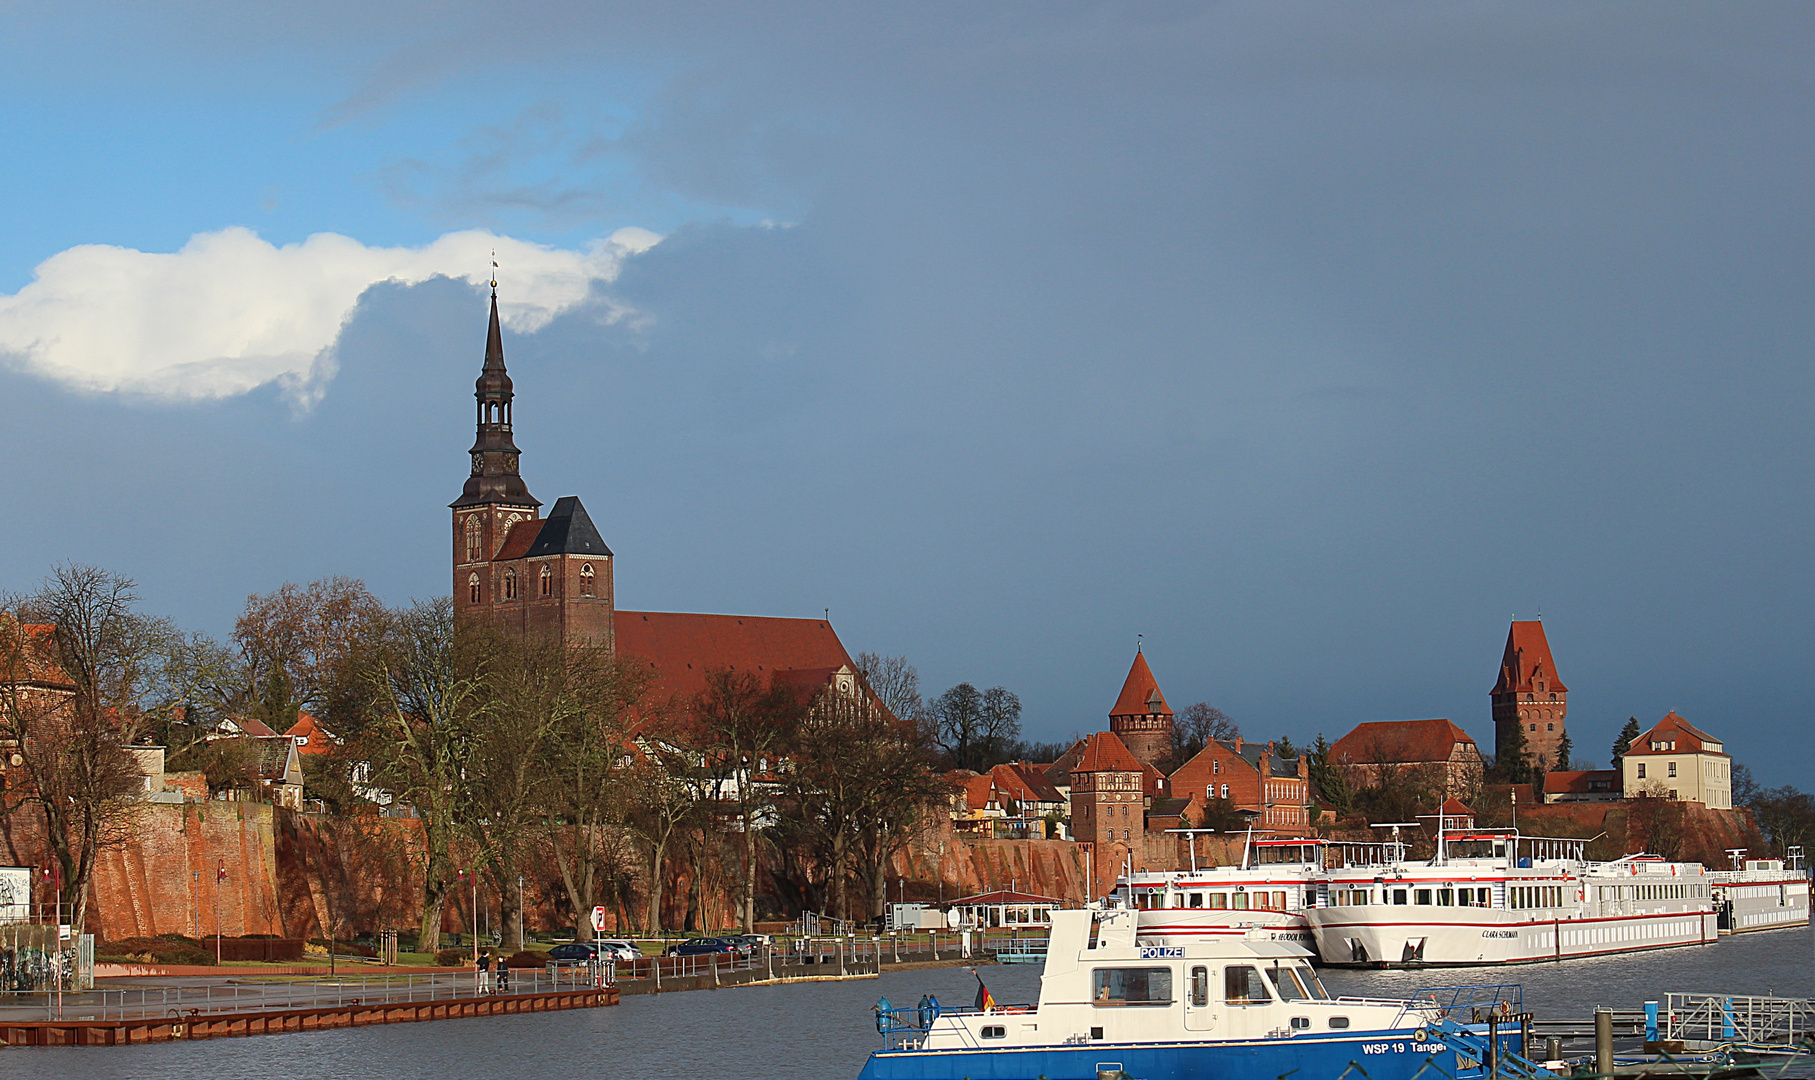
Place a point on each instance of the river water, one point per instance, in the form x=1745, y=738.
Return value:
x=824, y=1031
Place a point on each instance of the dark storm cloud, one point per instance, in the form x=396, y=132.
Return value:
x=1312, y=343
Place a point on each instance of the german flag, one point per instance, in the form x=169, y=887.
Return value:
x=985, y=1000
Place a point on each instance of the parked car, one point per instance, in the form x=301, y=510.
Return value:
x=583, y=951
x=700, y=947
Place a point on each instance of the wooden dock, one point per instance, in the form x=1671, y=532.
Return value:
x=224, y=1025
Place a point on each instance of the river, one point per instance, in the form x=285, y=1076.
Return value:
x=824, y=1031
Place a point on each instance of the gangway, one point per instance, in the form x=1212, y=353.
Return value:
x=1757, y=1024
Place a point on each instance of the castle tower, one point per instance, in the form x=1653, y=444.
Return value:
x=530, y=575
x=1140, y=717
x=1529, y=694
x=1108, y=807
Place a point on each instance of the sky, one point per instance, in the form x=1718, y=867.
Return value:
x=1311, y=344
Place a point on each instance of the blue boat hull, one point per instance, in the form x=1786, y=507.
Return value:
x=1390, y=1055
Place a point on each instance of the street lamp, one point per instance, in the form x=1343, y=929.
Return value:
x=220, y=878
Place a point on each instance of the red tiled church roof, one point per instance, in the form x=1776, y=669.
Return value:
x=1140, y=692
x=1399, y=741
x=680, y=649
x=1103, y=752
x=1527, y=657
x=521, y=538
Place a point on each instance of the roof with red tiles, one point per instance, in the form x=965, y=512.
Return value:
x=1025, y=782
x=1399, y=741
x=1580, y=781
x=1103, y=752
x=35, y=661
x=679, y=649
x=310, y=736
x=1009, y=896
x=1527, y=661
x=1686, y=737
x=249, y=725
x=1140, y=692
x=519, y=540
x=1153, y=782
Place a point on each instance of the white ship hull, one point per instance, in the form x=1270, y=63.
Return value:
x=1761, y=902
x=1383, y=935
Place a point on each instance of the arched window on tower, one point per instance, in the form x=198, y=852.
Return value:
x=547, y=578
x=473, y=593
x=585, y=579
x=473, y=553
x=510, y=584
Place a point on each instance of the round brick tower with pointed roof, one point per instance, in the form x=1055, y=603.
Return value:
x=1141, y=718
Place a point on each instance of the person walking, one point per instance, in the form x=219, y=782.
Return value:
x=485, y=972
x=503, y=975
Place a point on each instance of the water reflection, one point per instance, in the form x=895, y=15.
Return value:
x=823, y=1031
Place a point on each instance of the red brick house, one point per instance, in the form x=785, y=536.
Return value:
x=1252, y=777
x=1377, y=752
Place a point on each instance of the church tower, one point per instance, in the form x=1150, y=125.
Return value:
x=1530, y=695
x=1140, y=717
x=511, y=567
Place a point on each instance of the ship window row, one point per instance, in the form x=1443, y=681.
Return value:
x=1243, y=984
x=1447, y=896
x=1650, y=892
x=1535, y=896
x=1257, y=900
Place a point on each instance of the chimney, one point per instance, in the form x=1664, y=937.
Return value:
x=1238, y=744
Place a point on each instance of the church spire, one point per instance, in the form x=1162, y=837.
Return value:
x=494, y=477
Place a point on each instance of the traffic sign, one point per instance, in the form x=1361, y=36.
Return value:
x=598, y=919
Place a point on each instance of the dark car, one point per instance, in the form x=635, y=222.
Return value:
x=700, y=947
x=578, y=951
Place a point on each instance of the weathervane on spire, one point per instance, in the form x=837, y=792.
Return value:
x=494, y=275
x=1137, y=642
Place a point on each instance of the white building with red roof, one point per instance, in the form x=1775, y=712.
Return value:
x=1677, y=760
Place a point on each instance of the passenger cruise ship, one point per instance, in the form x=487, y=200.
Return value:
x=1496, y=897
x=1271, y=891
x=1762, y=894
x=1214, y=1006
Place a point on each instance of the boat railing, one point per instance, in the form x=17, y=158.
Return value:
x=1476, y=1002
x=906, y=1026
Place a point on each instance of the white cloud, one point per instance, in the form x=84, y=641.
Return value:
x=230, y=312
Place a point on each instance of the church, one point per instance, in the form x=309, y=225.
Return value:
x=553, y=575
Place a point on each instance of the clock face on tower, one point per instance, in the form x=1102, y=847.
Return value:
x=478, y=464
x=510, y=463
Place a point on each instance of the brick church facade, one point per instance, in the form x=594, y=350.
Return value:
x=553, y=576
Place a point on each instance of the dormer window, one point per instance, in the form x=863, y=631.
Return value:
x=472, y=588
x=585, y=579
x=547, y=581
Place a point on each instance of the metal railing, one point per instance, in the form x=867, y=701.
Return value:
x=252, y=995
x=1729, y=1019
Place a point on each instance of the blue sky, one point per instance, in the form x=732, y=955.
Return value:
x=1313, y=344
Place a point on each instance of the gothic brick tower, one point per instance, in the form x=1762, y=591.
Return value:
x=519, y=571
x=1108, y=807
x=1530, y=694
x=1140, y=717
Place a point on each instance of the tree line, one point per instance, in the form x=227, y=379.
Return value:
x=519, y=757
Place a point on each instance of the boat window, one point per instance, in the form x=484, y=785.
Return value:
x=1131, y=986
x=1200, y=987
x=1424, y=897
x=995, y=1031
x=1300, y=1023
x=1244, y=986
x=1241, y=901
x=1219, y=900
x=1197, y=899
x=1285, y=981
x=1446, y=897
x=1339, y=1022
x=1399, y=896
x=1311, y=982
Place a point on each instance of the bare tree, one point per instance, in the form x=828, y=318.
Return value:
x=424, y=736
x=1197, y=726
x=77, y=670
x=977, y=728
x=299, y=646
x=895, y=683
x=663, y=802
x=743, y=729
